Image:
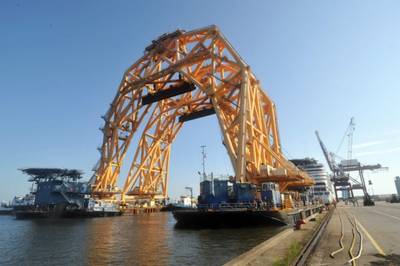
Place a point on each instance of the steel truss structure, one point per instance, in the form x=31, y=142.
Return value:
x=183, y=76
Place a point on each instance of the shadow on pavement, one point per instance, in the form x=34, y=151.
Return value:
x=388, y=260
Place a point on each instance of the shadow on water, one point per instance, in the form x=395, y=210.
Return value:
x=272, y=225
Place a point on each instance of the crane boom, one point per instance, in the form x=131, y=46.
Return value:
x=350, y=131
x=341, y=176
x=328, y=157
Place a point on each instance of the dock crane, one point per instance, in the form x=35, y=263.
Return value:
x=340, y=179
x=341, y=176
x=349, y=134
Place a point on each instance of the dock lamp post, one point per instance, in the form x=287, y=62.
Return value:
x=191, y=195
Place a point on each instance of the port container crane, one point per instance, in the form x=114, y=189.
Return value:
x=183, y=76
x=341, y=176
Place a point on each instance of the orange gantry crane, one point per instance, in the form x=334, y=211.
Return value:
x=184, y=76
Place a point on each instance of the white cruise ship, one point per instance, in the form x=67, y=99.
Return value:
x=323, y=188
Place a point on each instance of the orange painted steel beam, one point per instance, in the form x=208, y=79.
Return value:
x=146, y=110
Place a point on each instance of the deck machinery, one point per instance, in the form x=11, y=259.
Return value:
x=185, y=75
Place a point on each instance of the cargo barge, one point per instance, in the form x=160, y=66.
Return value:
x=229, y=217
x=227, y=203
x=58, y=193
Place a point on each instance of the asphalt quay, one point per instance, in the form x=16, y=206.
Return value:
x=369, y=234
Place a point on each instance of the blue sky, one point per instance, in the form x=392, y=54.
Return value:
x=321, y=62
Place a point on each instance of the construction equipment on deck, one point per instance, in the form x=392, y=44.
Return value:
x=184, y=76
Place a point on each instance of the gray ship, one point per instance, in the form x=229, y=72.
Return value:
x=59, y=193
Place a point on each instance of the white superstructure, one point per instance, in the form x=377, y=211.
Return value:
x=323, y=188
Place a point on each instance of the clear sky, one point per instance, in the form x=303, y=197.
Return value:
x=322, y=62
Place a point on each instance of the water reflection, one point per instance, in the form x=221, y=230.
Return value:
x=150, y=239
x=100, y=241
x=128, y=240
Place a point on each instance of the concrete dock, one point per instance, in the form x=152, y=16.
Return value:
x=376, y=231
x=284, y=247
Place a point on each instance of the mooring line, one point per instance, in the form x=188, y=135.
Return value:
x=353, y=262
x=341, y=237
x=361, y=242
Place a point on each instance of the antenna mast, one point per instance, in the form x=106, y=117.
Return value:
x=204, y=156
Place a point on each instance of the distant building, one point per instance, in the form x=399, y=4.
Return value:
x=397, y=182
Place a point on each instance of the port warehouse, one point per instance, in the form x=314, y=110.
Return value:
x=182, y=76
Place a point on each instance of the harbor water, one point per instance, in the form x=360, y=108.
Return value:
x=148, y=239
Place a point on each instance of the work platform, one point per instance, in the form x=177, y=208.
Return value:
x=379, y=229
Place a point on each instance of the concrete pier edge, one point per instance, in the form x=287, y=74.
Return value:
x=248, y=256
x=304, y=214
x=316, y=234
